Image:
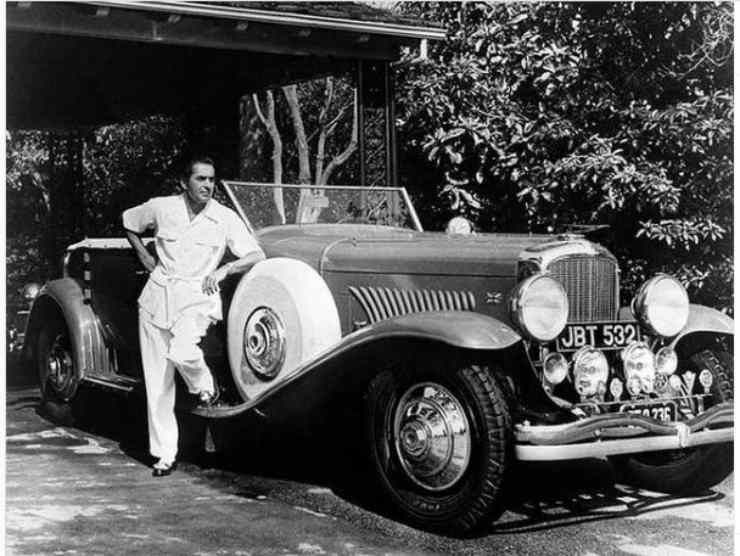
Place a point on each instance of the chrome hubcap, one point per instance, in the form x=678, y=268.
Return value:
x=264, y=343
x=59, y=365
x=432, y=436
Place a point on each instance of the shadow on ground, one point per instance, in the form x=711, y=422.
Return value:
x=542, y=496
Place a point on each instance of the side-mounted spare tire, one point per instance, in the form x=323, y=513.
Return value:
x=282, y=314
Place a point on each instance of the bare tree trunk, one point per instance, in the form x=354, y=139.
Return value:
x=342, y=157
x=323, y=130
x=268, y=120
x=304, y=163
x=304, y=213
x=311, y=201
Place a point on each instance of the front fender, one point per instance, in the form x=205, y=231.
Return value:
x=701, y=319
x=705, y=319
x=65, y=296
x=463, y=329
x=341, y=368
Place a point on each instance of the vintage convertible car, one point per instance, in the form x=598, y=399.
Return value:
x=463, y=354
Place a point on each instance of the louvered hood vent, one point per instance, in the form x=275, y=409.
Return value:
x=384, y=303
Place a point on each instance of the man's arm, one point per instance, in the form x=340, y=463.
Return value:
x=211, y=282
x=146, y=258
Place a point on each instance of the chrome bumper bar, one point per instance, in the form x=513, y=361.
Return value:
x=620, y=433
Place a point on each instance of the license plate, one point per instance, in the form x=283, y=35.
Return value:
x=601, y=335
x=664, y=411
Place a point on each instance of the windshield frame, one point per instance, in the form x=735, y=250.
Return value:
x=227, y=185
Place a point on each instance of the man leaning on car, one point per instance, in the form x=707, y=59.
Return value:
x=180, y=300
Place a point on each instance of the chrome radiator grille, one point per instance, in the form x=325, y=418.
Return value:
x=382, y=303
x=592, y=285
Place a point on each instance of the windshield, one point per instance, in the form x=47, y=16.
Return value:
x=271, y=205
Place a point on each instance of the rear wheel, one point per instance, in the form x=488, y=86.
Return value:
x=693, y=470
x=57, y=370
x=440, y=441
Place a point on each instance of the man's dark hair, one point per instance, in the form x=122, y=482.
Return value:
x=187, y=168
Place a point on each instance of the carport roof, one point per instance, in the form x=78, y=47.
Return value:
x=92, y=62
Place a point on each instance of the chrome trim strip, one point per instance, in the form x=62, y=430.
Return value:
x=265, y=16
x=237, y=206
x=412, y=210
x=682, y=439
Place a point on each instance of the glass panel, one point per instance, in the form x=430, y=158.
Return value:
x=271, y=205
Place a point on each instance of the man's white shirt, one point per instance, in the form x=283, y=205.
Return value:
x=188, y=251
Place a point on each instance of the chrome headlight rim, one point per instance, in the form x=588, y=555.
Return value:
x=641, y=307
x=518, y=307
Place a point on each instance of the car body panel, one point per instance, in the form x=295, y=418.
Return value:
x=332, y=371
x=705, y=319
x=67, y=297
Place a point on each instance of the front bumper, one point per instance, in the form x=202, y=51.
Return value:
x=621, y=433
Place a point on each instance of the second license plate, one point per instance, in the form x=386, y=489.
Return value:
x=601, y=335
x=664, y=411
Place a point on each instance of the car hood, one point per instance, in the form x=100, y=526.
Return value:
x=385, y=250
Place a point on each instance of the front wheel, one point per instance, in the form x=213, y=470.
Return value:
x=440, y=441
x=694, y=470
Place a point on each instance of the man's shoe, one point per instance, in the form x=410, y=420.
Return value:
x=163, y=468
x=206, y=399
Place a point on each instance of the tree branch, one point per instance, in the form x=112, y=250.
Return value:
x=344, y=155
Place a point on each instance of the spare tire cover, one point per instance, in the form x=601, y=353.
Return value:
x=282, y=315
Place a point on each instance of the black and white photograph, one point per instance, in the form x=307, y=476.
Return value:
x=369, y=278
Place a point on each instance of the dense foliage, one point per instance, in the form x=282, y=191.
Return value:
x=537, y=116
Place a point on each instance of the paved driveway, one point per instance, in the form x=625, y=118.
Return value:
x=89, y=491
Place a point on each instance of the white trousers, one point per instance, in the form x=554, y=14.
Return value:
x=163, y=350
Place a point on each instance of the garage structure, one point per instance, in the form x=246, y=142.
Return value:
x=95, y=63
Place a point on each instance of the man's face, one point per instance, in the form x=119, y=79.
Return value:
x=199, y=186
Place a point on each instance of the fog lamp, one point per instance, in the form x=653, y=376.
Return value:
x=666, y=361
x=555, y=368
x=590, y=372
x=662, y=305
x=639, y=363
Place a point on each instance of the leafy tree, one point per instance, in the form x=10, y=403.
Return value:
x=533, y=117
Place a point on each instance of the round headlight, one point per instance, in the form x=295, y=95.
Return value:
x=662, y=305
x=540, y=307
x=590, y=372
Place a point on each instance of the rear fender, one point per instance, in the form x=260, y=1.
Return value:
x=65, y=297
x=347, y=366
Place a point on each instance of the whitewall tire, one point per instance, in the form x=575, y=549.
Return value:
x=282, y=315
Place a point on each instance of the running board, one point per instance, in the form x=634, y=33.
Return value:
x=118, y=382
